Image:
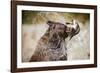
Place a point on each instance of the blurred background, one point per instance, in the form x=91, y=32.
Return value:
x=34, y=26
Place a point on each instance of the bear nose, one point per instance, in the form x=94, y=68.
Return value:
x=72, y=25
x=72, y=28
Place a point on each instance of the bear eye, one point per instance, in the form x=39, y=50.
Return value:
x=53, y=27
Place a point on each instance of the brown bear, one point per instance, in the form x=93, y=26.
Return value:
x=51, y=46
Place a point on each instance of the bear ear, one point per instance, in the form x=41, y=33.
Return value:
x=50, y=23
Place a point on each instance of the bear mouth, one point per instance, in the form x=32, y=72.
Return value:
x=55, y=42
